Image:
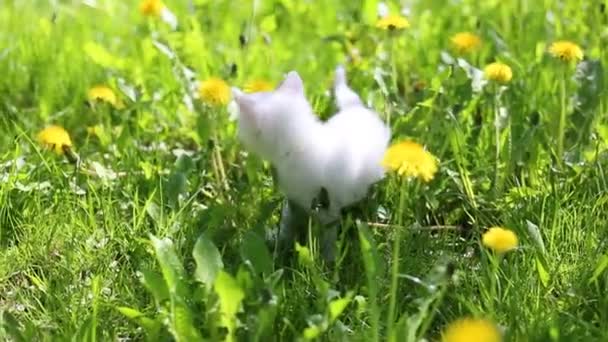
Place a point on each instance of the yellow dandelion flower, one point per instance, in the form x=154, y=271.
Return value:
x=471, y=330
x=410, y=159
x=392, y=22
x=151, y=8
x=55, y=137
x=105, y=94
x=214, y=91
x=500, y=239
x=566, y=51
x=465, y=42
x=257, y=86
x=498, y=72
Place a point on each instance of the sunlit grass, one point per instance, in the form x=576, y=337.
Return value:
x=156, y=214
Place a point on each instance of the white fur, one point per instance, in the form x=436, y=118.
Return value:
x=342, y=155
x=359, y=140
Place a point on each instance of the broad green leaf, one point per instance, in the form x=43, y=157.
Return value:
x=534, y=232
x=208, y=260
x=129, y=312
x=230, y=295
x=602, y=265
x=153, y=210
x=152, y=327
x=409, y=326
x=317, y=324
x=254, y=249
x=176, y=185
x=413, y=327
x=155, y=283
x=244, y=278
x=184, y=164
x=312, y=332
x=542, y=272
x=337, y=306
x=170, y=265
x=182, y=323
x=265, y=325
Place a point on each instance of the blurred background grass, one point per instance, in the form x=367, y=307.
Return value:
x=72, y=243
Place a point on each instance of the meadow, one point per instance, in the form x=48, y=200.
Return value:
x=138, y=215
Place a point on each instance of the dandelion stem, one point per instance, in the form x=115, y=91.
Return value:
x=395, y=264
x=219, y=168
x=393, y=77
x=220, y=165
x=215, y=163
x=494, y=276
x=561, y=130
x=496, y=141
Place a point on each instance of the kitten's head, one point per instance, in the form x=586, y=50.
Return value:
x=266, y=119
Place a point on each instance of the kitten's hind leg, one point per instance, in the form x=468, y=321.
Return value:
x=329, y=237
x=292, y=228
x=329, y=230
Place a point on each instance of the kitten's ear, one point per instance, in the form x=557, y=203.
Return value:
x=237, y=93
x=292, y=83
x=242, y=100
x=345, y=96
x=340, y=78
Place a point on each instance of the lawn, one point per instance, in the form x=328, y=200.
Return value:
x=147, y=219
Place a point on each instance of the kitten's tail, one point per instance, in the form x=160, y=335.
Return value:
x=345, y=97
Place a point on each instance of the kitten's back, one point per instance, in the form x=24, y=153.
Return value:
x=359, y=139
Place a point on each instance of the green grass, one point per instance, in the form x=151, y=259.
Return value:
x=173, y=248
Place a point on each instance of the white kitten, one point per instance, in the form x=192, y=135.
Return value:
x=358, y=140
x=342, y=155
x=281, y=127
